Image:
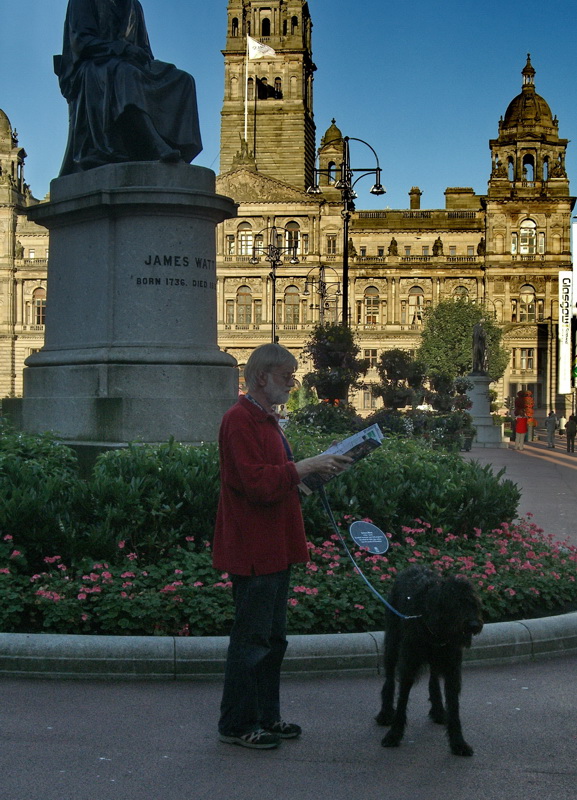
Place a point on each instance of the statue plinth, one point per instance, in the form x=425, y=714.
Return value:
x=488, y=434
x=131, y=347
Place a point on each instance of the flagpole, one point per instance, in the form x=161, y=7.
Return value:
x=246, y=95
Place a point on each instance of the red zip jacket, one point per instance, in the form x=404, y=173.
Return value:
x=259, y=524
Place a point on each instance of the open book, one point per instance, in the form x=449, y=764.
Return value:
x=356, y=447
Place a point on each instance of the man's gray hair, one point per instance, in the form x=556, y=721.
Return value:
x=266, y=358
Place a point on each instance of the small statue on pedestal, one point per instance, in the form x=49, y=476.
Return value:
x=479, y=349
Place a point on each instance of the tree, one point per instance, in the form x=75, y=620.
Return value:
x=401, y=379
x=447, y=340
x=334, y=352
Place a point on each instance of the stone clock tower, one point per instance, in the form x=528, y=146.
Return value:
x=271, y=97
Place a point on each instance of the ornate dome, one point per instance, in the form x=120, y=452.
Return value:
x=333, y=134
x=528, y=108
x=5, y=127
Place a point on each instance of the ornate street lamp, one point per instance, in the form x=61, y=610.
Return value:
x=325, y=290
x=346, y=184
x=272, y=253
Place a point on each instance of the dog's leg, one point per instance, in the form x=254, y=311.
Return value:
x=457, y=743
x=392, y=645
x=406, y=679
x=437, y=711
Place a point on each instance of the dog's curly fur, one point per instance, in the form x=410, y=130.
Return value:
x=448, y=614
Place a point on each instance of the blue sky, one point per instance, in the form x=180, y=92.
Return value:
x=423, y=82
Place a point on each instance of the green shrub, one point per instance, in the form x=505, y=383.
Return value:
x=38, y=485
x=152, y=497
x=340, y=420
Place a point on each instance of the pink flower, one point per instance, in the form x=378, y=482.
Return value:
x=293, y=601
x=81, y=596
x=4, y=571
x=121, y=545
x=50, y=559
x=198, y=583
x=15, y=554
x=8, y=538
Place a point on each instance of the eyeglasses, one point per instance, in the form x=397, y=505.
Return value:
x=288, y=377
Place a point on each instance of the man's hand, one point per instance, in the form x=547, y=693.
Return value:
x=326, y=464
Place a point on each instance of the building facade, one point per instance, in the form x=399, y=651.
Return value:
x=23, y=265
x=503, y=249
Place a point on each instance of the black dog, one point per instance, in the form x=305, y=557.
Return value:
x=447, y=614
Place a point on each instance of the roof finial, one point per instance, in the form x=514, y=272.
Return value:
x=528, y=72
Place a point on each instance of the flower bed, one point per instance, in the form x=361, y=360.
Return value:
x=519, y=571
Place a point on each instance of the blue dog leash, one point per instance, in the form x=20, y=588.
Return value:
x=379, y=596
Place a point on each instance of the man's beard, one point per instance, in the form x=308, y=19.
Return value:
x=275, y=395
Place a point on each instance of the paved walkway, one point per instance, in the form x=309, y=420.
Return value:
x=548, y=479
x=95, y=740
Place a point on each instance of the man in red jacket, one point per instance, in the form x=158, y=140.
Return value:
x=259, y=534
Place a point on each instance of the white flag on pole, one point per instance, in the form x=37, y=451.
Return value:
x=258, y=50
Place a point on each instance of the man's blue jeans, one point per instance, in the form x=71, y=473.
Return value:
x=257, y=646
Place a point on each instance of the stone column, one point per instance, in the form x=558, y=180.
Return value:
x=131, y=347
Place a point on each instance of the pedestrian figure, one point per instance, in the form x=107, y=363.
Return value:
x=259, y=534
x=551, y=426
x=521, y=428
x=570, y=431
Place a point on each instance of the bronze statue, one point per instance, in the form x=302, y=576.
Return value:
x=479, y=349
x=124, y=105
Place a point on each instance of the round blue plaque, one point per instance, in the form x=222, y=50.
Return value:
x=369, y=537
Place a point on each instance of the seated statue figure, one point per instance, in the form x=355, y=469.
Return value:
x=123, y=104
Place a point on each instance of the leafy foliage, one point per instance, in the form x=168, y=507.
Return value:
x=334, y=352
x=128, y=552
x=447, y=340
x=401, y=379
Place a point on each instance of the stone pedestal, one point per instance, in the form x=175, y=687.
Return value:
x=131, y=330
x=488, y=434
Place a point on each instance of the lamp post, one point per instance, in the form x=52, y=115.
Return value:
x=346, y=184
x=272, y=253
x=323, y=288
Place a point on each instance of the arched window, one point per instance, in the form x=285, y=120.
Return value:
x=527, y=303
x=546, y=168
x=461, y=293
x=234, y=87
x=332, y=170
x=416, y=305
x=294, y=25
x=514, y=243
x=292, y=235
x=250, y=88
x=234, y=27
x=265, y=27
x=244, y=305
x=292, y=305
x=528, y=168
x=278, y=88
x=284, y=27
x=511, y=168
x=39, y=306
x=371, y=305
x=244, y=235
x=528, y=237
